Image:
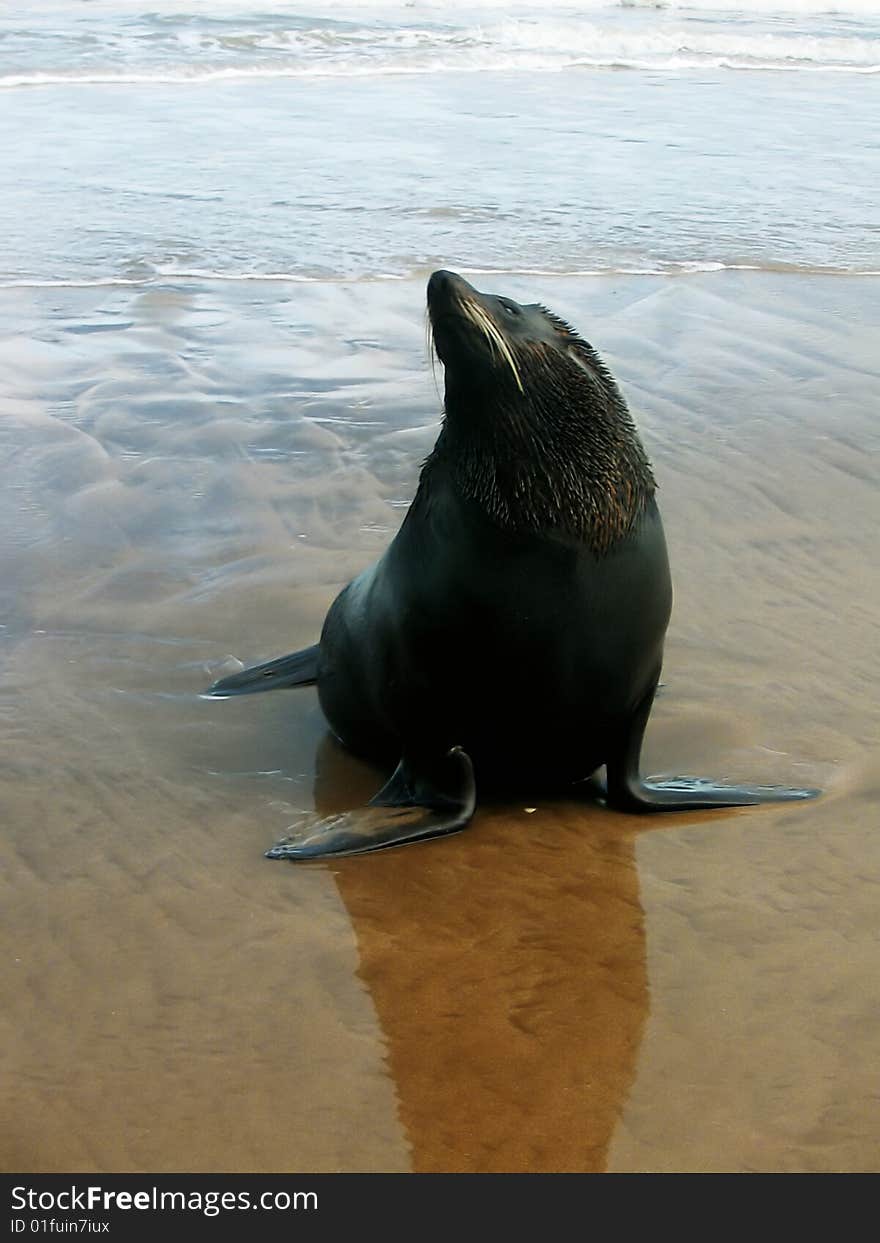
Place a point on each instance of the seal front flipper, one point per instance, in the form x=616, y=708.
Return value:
x=297, y=669
x=416, y=804
x=627, y=791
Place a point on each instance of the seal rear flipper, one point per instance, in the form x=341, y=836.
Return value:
x=410, y=807
x=629, y=792
x=297, y=669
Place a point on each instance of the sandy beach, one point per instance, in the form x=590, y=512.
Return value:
x=194, y=468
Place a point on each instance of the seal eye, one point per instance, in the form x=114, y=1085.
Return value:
x=511, y=308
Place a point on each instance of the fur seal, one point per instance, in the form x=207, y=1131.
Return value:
x=513, y=631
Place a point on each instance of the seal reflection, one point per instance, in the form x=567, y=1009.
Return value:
x=510, y=984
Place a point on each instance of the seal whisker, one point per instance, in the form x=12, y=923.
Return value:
x=482, y=320
x=431, y=347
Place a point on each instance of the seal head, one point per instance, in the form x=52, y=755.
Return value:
x=535, y=430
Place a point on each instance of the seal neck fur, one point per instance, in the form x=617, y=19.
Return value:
x=546, y=447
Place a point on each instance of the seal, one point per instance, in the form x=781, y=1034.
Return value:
x=512, y=633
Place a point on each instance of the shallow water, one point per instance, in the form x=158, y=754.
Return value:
x=382, y=140
x=194, y=470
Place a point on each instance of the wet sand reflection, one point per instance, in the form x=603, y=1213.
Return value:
x=507, y=967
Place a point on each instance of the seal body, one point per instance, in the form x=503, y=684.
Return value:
x=530, y=654
x=511, y=637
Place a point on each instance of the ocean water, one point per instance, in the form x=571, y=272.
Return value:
x=347, y=140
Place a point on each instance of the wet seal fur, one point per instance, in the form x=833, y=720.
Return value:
x=512, y=634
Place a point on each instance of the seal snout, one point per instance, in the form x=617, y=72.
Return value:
x=465, y=327
x=446, y=286
x=449, y=296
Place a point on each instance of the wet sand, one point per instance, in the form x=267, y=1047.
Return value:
x=192, y=472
